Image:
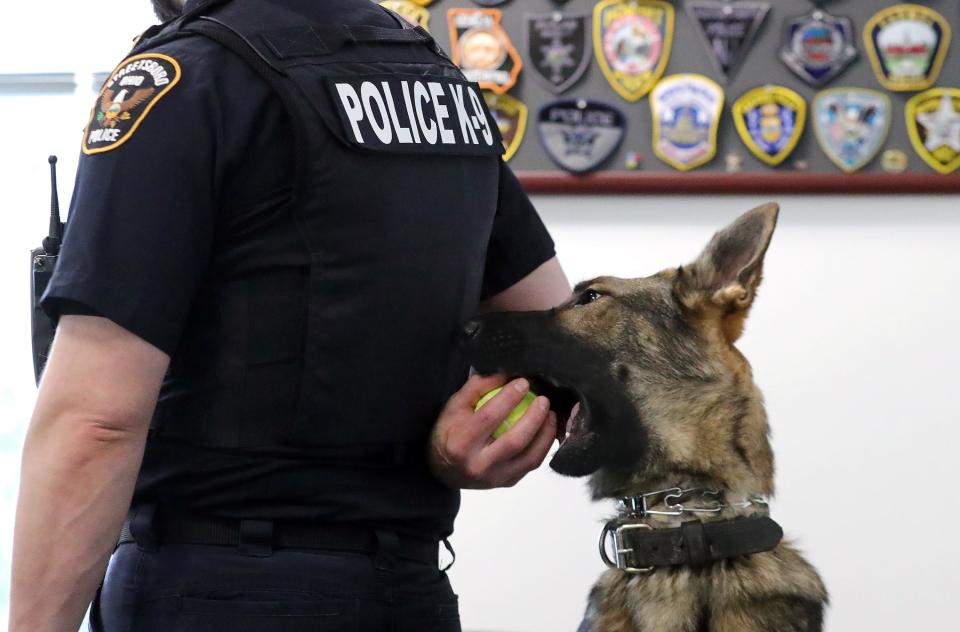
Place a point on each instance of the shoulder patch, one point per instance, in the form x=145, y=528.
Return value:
x=126, y=98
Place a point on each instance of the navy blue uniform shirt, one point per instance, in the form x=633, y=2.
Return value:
x=147, y=228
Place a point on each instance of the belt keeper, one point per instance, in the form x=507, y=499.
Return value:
x=142, y=528
x=256, y=538
x=695, y=541
x=453, y=555
x=388, y=543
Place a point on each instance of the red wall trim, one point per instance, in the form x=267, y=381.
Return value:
x=665, y=183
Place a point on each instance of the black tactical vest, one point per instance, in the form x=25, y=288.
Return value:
x=396, y=212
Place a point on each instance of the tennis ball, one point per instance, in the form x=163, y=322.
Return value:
x=514, y=415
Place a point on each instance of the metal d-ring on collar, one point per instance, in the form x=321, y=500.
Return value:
x=634, y=509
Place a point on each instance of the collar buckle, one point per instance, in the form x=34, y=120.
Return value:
x=616, y=529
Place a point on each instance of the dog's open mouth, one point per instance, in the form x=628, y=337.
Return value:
x=570, y=405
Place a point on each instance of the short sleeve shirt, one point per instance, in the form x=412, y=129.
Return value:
x=208, y=171
x=196, y=195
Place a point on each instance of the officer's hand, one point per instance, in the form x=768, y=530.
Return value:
x=462, y=452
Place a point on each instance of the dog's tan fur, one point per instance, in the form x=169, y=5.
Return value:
x=655, y=360
x=715, y=436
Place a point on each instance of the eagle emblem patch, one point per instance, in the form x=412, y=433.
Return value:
x=851, y=125
x=128, y=95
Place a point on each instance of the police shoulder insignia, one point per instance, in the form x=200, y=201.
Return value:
x=770, y=121
x=933, y=122
x=632, y=40
x=686, y=112
x=412, y=12
x=580, y=134
x=126, y=98
x=851, y=125
x=482, y=48
x=818, y=46
x=907, y=45
x=510, y=115
x=557, y=48
x=728, y=29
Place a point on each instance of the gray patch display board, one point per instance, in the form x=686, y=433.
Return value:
x=807, y=170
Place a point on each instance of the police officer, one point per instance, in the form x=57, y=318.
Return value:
x=284, y=210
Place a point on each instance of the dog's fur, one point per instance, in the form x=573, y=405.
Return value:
x=665, y=400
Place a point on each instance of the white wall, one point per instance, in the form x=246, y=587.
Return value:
x=854, y=341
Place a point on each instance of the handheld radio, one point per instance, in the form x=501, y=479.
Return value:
x=42, y=262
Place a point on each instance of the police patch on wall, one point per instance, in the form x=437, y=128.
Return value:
x=134, y=87
x=851, y=125
x=818, y=46
x=413, y=13
x=686, y=111
x=632, y=41
x=482, y=48
x=933, y=122
x=510, y=115
x=558, y=48
x=728, y=29
x=907, y=45
x=578, y=134
x=770, y=121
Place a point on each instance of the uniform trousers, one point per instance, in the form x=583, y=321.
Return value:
x=190, y=587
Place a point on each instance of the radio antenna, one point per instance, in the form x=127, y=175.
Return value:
x=51, y=244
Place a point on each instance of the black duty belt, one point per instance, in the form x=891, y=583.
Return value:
x=261, y=537
x=640, y=548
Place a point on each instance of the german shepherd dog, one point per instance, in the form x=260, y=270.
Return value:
x=661, y=409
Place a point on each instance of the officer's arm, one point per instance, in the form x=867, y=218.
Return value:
x=80, y=460
x=547, y=286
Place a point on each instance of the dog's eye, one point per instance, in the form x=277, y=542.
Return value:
x=588, y=297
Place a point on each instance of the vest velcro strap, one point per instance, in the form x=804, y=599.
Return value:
x=376, y=34
x=297, y=42
x=311, y=41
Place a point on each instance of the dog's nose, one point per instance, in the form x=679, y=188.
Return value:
x=470, y=330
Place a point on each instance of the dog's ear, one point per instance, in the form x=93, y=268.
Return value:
x=723, y=280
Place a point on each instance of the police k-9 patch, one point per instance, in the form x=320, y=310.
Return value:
x=414, y=114
x=134, y=87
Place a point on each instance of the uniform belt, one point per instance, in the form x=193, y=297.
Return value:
x=259, y=537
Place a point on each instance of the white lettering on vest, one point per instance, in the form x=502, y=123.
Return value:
x=351, y=104
x=369, y=94
x=456, y=92
x=408, y=102
x=421, y=96
x=436, y=91
x=481, y=116
x=403, y=134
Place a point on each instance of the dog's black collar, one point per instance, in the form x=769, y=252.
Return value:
x=641, y=548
